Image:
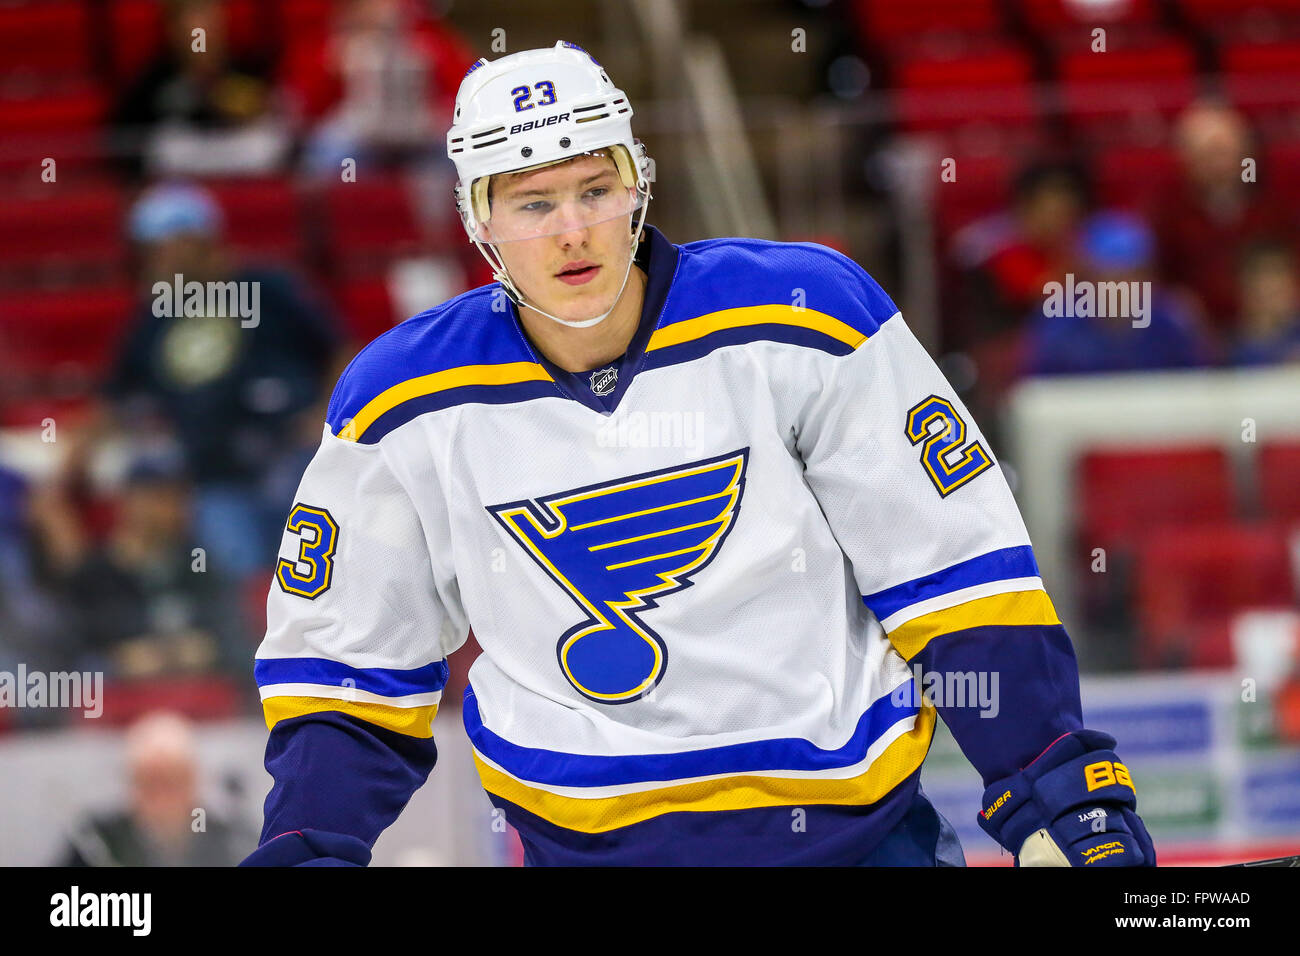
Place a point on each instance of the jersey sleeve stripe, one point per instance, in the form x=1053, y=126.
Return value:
x=386, y=682
x=895, y=764
x=1001, y=565
x=424, y=386
x=961, y=596
x=1014, y=608
x=347, y=693
x=409, y=721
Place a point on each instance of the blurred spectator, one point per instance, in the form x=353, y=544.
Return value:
x=378, y=87
x=240, y=394
x=1204, y=221
x=12, y=555
x=142, y=603
x=1006, y=258
x=165, y=823
x=200, y=108
x=1117, y=248
x=29, y=623
x=1269, y=327
x=1003, y=262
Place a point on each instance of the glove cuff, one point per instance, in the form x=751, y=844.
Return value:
x=310, y=848
x=1073, y=804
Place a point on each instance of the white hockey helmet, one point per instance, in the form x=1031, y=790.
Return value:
x=533, y=109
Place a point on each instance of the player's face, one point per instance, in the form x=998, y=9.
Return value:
x=575, y=271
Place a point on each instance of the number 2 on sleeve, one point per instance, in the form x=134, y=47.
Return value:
x=940, y=445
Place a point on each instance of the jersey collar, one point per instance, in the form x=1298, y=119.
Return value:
x=658, y=258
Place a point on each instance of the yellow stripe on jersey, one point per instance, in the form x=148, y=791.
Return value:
x=742, y=792
x=1016, y=607
x=411, y=721
x=691, y=329
x=508, y=373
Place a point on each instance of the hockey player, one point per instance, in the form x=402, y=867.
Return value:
x=706, y=507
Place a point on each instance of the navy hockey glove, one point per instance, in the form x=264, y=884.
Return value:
x=1074, y=805
x=310, y=848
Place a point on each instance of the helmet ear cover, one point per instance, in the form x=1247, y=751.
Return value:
x=479, y=189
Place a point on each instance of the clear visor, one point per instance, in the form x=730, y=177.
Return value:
x=573, y=195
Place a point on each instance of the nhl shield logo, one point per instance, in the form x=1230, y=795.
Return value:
x=603, y=381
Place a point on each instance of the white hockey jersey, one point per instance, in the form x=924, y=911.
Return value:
x=697, y=574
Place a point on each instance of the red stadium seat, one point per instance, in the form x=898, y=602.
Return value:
x=1098, y=88
x=1123, y=495
x=199, y=698
x=1279, y=480
x=1286, y=709
x=1204, y=11
x=1068, y=26
x=1263, y=78
x=993, y=87
x=1244, y=19
x=1048, y=16
x=1192, y=581
x=64, y=125
x=137, y=30
x=887, y=22
x=367, y=308
x=30, y=411
x=67, y=336
x=1281, y=160
x=1125, y=175
x=304, y=18
x=370, y=222
x=63, y=232
x=261, y=216
x=49, y=41
x=249, y=25
x=982, y=185
x=72, y=108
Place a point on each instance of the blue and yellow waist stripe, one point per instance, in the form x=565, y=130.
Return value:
x=733, y=777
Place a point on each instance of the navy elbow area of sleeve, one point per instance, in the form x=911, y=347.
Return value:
x=336, y=772
x=1034, y=701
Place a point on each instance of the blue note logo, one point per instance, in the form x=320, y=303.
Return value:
x=617, y=549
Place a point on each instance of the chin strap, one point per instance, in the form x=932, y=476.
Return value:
x=500, y=274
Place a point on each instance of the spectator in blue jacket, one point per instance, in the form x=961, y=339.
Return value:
x=240, y=388
x=1071, y=335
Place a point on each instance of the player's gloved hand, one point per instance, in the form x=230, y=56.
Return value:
x=1074, y=805
x=310, y=848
